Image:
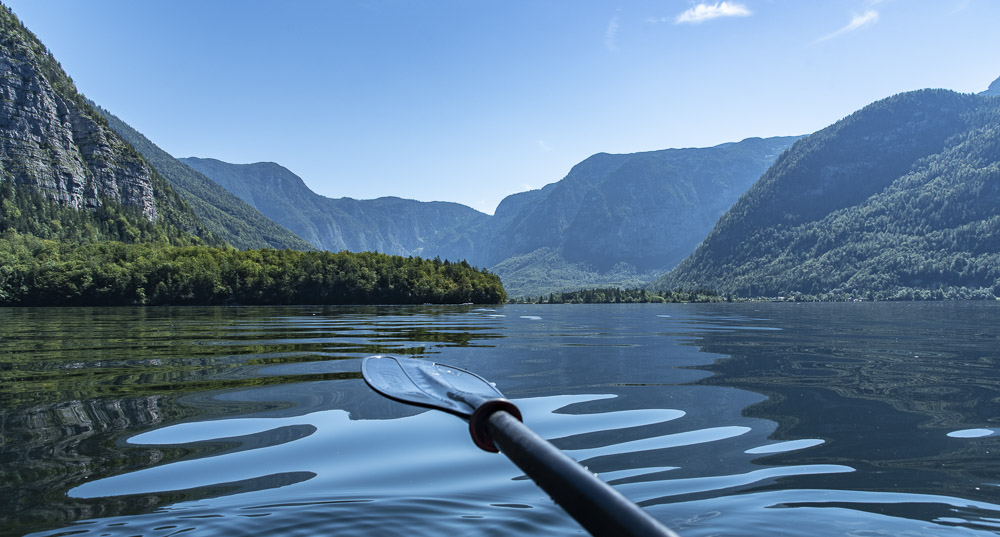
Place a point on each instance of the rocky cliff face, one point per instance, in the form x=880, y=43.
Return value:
x=51, y=139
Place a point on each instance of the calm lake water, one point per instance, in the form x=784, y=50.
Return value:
x=747, y=419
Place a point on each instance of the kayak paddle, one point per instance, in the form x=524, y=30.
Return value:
x=495, y=425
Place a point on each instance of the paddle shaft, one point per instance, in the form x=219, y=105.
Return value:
x=600, y=509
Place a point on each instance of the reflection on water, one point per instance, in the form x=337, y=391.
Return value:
x=76, y=382
x=888, y=387
x=785, y=419
x=972, y=433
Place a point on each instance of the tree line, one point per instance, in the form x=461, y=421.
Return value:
x=617, y=295
x=40, y=272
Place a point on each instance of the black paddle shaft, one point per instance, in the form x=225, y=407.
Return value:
x=600, y=509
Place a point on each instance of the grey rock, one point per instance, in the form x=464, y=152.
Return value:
x=53, y=141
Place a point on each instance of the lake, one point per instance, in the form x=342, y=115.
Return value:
x=718, y=419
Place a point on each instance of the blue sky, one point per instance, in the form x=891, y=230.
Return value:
x=470, y=101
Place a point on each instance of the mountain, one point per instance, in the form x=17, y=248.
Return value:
x=613, y=220
x=387, y=225
x=898, y=200
x=654, y=208
x=994, y=89
x=63, y=172
x=619, y=219
x=224, y=214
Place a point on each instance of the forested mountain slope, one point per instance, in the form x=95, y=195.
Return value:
x=227, y=216
x=901, y=199
x=388, y=225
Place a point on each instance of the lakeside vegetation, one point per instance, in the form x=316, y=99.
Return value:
x=39, y=272
x=617, y=295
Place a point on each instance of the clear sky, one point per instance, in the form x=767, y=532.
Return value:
x=469, y=101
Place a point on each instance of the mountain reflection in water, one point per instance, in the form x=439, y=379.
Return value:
x=748, y=419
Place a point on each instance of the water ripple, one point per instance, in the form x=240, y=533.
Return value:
x=315, y=459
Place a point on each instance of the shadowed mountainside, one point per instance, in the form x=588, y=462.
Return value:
x=898, y=200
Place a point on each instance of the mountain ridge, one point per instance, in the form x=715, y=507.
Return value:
x=620, y=219
x=898, y=200
x=223, y=213
x=389, y=225
x=993, y=90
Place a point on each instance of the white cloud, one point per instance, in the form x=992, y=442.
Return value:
x=961, y=5
x=704, y=12
x=859, y=21
x=610, y=35
x=543, y=146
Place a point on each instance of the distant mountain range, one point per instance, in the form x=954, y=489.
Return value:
x=619, y=219
x=899, y=200
x=387, y=225
x=612, y=220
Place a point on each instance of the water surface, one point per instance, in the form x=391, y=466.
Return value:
x=750, y=419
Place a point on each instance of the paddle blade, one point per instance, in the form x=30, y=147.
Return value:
x=428, y=384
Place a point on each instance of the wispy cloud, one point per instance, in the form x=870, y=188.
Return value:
x=543, y=146
x=610, y=35
x=703, y=12
x=858, y=22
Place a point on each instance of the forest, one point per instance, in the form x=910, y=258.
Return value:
x=52, y=255
x=40, y=272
